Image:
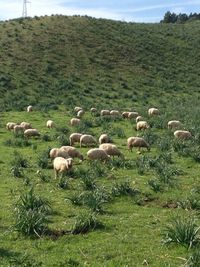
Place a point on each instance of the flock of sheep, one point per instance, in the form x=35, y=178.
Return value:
x=63, y=156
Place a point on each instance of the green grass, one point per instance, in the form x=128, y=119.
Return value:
x=58, y=62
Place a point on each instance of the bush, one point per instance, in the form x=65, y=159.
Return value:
x=182, y=230
x=155, y=185
x=85, y=222
x=88, y=183
x=31, y=214
x=19, y=161
x=124, y=188
x=43, y=159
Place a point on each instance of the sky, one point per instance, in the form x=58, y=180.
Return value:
x=125, y=10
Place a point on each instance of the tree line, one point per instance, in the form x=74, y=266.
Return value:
x=171, y=17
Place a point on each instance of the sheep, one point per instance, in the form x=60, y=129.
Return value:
x=31, y=133
x=182, y=134
x=74, y=137
x=137, y=142
x=111, y=150
x=104, y=139
x=29, y=109
x=57, y=152
x=93, y=110
x=50, y=124
x=26, y=125
x=105, y=112
x=72, y=152
x=153, y=111
x=80, y=113
x=114, y=113
x=87, y=139
x=76, y=109
x=139, y=118
x=142, y=125
x=173, y=124
x=125, y=114
x=18, y=129
x=97, y=154
x=74, y=121
x=132, y=115
x=62, y=165
x=10, y=125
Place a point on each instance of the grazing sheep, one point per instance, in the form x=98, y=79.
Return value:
x=104, y=139
x=31, y=133
x=142, y=125
x=76, y=109
x=87, y=140
x=80, y=113
x=105, y=112
x=62, y=165
x=29, y=109
x=137, y=142
x=50, y=124
x=72, y=152
x=125, y=114
x=74, y=137
x=139, y=118
x=93, y=110
x=10, y=125
x=153, y=111
x=18, y=129
x=97, y=154
x=74, y=121
x=111, y=150
x=132, y=115
x=182, y=134
x=57, y=152
x=114, y=113
x=173, y=124
x=26, y=125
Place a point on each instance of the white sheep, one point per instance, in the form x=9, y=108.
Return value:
x=142, y=125
x=153, y=111
x=139, y=118
x=31, y=133
x=29, y=109
x=10, y=125
x=75, y=122
x=93, y=110
x=80, y=113
x=62, y=165
x=97, y=154
x=125, y=114
x=87, y=140
x=50, y=124
x=18, y=129
x=74, y=137
x=76, y=109
x=72, y=152
x=138, y=142
x=182, y=134
x=173, y=124
x=105, y=112
x=104, y=139
x=57, y=152
x=111, y=150
x=26, y=125
x=114, y=113
x=132, y=115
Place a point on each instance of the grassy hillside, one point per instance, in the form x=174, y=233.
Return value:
x=79, y=58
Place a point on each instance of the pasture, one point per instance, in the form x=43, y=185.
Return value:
x=128, y=202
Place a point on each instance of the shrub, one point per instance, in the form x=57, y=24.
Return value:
x=31, y=214
x=155, y=185
x=85, y=222
x=43, y=159
x=124, y=188
x=88, y=183
x=182, y=230
x=19, y=161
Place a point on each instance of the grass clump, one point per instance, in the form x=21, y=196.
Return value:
x=31, y=214
x=123, y=188
x=184, y=231
x=194, y=259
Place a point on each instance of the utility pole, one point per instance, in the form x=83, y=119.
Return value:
x=24, y=11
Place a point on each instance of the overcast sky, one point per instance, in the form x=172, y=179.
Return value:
x=127, y=10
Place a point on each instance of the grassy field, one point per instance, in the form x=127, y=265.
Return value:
x=58, y=62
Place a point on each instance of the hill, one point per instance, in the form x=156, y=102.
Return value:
x=46, y=61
